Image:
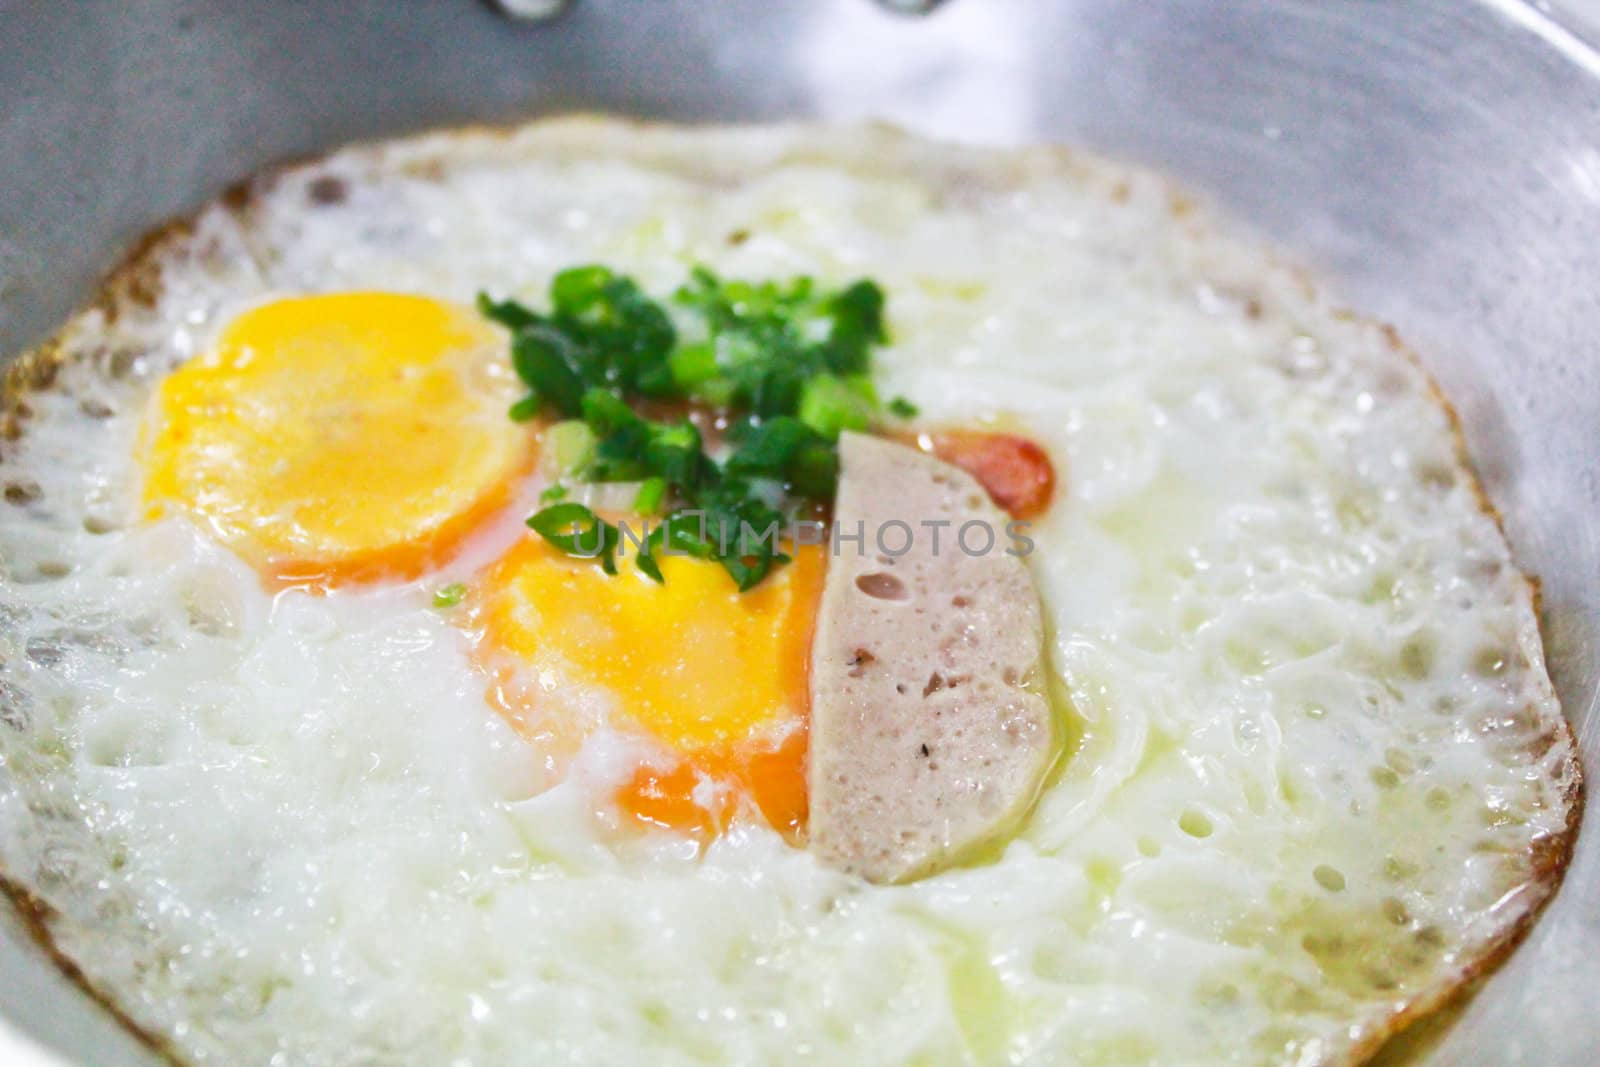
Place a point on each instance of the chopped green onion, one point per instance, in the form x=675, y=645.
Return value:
x=646, y=559
x=718, y=392
x=450, y=595
x=694, y=365
x=673, y=454
x=787, y=361
x=580, y=290
x=857, y=314
x=814, y=471
x=577, y=531
x=651, y=493
x=508, y=313
x=545, y=359
x=830, y=405
x=901, y=408
x=570, y=446
x=606, y=413
x=861, y=385
x=766, y=446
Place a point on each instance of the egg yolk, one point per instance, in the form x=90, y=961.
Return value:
x=717, y=677
x=340, y=437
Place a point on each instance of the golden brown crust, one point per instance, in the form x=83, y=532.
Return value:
x=1550, y=860
x=36, y=915
x=1551, y=855
x=28, y=373
x=136, y=279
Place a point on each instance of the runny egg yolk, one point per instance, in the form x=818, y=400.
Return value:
x=340, y=437
x=716, y=677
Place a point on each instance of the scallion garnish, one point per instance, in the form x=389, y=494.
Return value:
x=651, y=492
x=577, y=531
x=788, y=361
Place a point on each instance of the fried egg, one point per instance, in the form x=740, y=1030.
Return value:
x=339, y=436
x=716, y=676
x=281, y=802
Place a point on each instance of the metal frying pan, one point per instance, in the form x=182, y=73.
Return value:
x=1437, y=160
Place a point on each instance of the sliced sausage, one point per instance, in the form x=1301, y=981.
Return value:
x=930, y=728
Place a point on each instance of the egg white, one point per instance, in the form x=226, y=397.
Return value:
x=1318, y=772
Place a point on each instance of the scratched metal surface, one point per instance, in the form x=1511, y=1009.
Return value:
x=1438, y=161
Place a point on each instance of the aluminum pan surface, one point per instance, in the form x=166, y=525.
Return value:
x=1437, y=161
